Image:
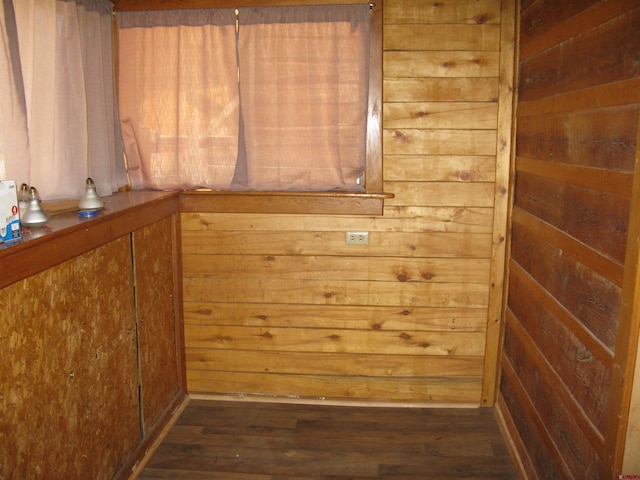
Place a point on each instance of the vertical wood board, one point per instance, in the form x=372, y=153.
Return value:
x=154, y=290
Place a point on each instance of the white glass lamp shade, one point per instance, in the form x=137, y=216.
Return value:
x=34, y=216
x=91, y=200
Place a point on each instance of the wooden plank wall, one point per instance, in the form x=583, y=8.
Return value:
x=567, y=335
x=278, y=305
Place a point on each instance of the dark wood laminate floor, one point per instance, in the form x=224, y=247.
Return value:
x=238, y=440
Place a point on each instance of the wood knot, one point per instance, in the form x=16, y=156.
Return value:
x=402, y=277
x=267, y=335
x=583, y=354
x=466, y=176
x=400, y=136
x=328, y=295
x=270, y=258
x=428, y=276
x=376, y=326
x=334, y=337
x=261, y=317
x=222, y=338
x=481, y=19
x=405, y=336
x=406, y=313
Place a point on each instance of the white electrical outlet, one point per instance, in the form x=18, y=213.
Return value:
x=357, y=238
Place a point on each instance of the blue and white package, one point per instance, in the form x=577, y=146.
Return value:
x=9, y=212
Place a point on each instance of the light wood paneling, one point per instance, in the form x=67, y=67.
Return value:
x=372, y=317
x=279, y=305
x=453, y=12
x=449, y=89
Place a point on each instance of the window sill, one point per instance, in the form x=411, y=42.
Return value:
x=323, y=203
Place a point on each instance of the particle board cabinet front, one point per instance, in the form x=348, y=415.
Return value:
x=153, y=248
x=68, y=375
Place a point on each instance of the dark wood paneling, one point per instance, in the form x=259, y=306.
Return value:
x=556, y=411
x=605, y=138
x=543, y=16
x=603, y=55
x=596, y=218
x=545, y=462
x=593, y=300
x=576, y=149
x=584, y=374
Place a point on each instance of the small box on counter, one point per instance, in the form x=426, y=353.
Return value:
x=9, y=212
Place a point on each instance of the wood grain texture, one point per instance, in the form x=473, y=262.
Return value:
x=569, y=287
x=450, y=89
x=373, y=317
x=594, y=300
x=69, y=372
x=236, y=440
x=450, y=12
x=502, y=195
x=586, y=376
x=604, y=54
x=604, y=139
x=621, y=436
x=360, y=365
x=302, y=314
x=545, y=27
x=156, y=318
x=448, y=168
x=578, y=444
x=596, y=218
x=448, y=64
x=441, y=37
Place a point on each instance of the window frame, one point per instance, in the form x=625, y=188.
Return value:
x=368, y=202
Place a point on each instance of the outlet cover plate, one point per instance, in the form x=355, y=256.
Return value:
x=357, y=238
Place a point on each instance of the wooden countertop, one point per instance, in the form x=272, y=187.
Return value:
x=66, y=235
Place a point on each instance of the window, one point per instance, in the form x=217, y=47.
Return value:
x=57, y=96
x=174, y=144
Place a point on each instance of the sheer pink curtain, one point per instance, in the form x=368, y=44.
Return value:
x=303, y=85
x=14, y=139
x=179, y=97
x=295, y=120
x=66, y=53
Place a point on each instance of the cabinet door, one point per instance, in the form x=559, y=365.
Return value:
x=153, y=248
x=68, y=376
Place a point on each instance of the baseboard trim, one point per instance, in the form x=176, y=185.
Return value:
x=322, y=401
x=512, y=440
x=145, y=449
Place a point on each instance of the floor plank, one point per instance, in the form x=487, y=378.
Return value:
x=239, y=440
